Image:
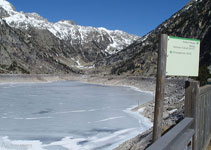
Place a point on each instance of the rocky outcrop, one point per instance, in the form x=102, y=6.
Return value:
x=3, y=13
x=192, y=21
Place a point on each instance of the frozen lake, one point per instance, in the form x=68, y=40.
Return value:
x=68, y=116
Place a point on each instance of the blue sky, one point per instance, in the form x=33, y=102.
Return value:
x=133, y=16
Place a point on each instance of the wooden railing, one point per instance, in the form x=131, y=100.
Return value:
x=178, y=138
x=198, y=106
x=193, y=132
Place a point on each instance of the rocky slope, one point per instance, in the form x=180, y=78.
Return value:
x=73, y=46
x=192, y=21
x=21, y=53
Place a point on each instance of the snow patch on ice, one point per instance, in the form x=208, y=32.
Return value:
x=88, y=143
x=141, y=110
x=139, y=90
x=69, y=143
x=67, y=112
x=81, y=111
x=33, y=118
x=144, y=122
x=112, y=118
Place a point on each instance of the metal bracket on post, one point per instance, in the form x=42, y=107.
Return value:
x=160, y=87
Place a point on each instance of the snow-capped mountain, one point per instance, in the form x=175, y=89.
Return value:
x=78, y=36
x=32, y=44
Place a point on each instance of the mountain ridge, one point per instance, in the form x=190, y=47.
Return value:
x=74, y=47
x=66, y=29
x=140, y=58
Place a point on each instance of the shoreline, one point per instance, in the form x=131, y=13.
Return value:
x=173, y=103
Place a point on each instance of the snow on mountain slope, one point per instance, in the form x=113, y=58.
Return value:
x=7, y=6
x=68, y=30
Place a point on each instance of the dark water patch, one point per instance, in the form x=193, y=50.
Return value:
x=82, y=142
x=48, y=110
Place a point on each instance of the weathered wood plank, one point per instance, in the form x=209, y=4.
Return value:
x=198, y=106
x=205, y=89
x=191, y=107
x=205, y=119
x=175, y=135
x=182, y=143
x=160, y=87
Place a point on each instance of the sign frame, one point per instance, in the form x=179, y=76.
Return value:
x=182, y=56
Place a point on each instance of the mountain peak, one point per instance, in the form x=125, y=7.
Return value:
x=7, y=6
x=67, y=22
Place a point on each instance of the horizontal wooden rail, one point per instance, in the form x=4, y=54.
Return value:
x=178, y=138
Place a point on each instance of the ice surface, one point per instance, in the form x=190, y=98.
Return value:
x=68, y=115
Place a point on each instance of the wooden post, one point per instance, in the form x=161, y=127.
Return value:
x=191, y=96
x=160, y=87
x=192, y=93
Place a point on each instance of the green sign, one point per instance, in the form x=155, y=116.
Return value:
x=182, y=56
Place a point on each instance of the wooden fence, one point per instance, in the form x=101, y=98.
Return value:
x=178, y=138
x=198, y=106
x=193, y=132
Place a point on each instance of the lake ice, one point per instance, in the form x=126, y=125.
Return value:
x=68, y=115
